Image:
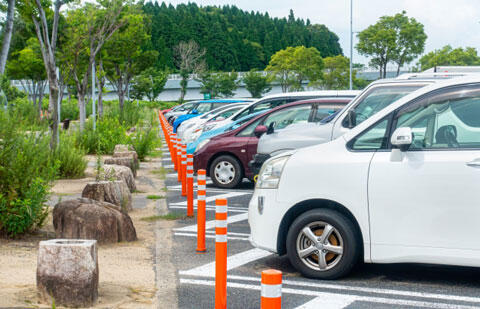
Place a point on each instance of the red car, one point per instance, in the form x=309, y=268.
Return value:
x=225, y=157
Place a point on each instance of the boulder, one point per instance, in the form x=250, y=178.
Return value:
x=114, y=192
x=67, y=271
x=121, y=148
x=128, y=162
x=120, y=172
x=84, y=218
x=128, y=154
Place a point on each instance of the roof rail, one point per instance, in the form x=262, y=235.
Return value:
x=432, y=75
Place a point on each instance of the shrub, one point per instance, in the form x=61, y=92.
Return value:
x=70, y=158
x=26, y=173
x=145, y=141
x=109, y=132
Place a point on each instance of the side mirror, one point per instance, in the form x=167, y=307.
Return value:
x=260, y=130
x=351, y=119
x=271, y=127
x=402, y=138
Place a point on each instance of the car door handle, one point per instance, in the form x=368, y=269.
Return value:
x=474, y=163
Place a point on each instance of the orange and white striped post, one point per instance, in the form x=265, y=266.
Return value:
x=221, y=254
x=189, y=185
x=175, y=153
x=201, y=212
x=271, y=289
x=184, y=169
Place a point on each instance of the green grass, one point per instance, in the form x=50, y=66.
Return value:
x=165, y=189
x=169, y=216
x=157, y=153
x=155, y=197
x=161, y=172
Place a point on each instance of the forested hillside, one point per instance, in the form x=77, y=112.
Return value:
x=234, y=39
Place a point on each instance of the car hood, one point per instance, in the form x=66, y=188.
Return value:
x=294, y=137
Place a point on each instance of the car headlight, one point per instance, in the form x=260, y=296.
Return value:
x=269, y=175
x=201, y=144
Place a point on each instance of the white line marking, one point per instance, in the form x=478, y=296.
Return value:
x=233, y=261
x=211, y=224
x=210, y=198
x=335, y=301
x=212, y=208
x=169, y=166
x=210, y=236
x=177, y=187
x=325, y=296
x=245, y=235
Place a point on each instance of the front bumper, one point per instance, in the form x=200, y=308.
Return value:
x=257, y=162
x=264, y=225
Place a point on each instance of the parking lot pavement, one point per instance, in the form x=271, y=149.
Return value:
x=370, y=286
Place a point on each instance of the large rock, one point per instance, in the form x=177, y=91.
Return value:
x=127, y=154
x=114, y=192
x=128, y=162
x=120, y=172
x=121, y=148
x=67, y=271
x=84, y=218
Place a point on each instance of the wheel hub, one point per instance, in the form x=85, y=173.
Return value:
x=224, y=172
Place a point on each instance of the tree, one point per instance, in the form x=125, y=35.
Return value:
x=218, y=84
x=449, y=56
x=397, y=39
x=89, y=27
x=27, y=65
x=149, y=83
x=295, y=65
x=7, y=34
x=189, y=58
x=256, y=83
x=35, y=10
x=124, y=53
x=336, y=74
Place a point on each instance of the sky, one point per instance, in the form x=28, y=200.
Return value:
x=454, y=22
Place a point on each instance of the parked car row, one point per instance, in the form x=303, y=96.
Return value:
x=391, y=178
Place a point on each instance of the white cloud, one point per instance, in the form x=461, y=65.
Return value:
x=446, y=22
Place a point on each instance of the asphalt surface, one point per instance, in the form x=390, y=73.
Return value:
x=369, y=286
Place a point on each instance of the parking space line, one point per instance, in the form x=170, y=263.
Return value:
x=211, y=198
x=335, y=301
x=211, y=224
x=324, y=296
x=212, y=208
x=233, y=262
x=210, y=236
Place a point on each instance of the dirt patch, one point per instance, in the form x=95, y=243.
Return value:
x=127, y=270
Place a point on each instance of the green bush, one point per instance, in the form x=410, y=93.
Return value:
x=109, y=132
x=145, y=141
x=70, y=158
x=26, y=173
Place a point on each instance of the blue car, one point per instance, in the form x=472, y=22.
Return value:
x=191, y=147
x=203, y=107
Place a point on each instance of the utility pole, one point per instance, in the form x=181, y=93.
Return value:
x=351, y=44
x=93, y=96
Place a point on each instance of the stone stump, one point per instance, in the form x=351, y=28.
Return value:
x=128, y=154
x=67, y=271
x=84, y=218
x=121, y=148
x=119, y=172
x=114, y=192
x=128, y=162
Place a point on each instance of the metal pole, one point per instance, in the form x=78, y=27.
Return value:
x=93, y=96
x=58, y=107
x=351, y=43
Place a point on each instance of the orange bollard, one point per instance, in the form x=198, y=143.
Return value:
x=271, y=289
x=221, y=254
x=189, y=185
x=174, y=155
x=184, y=169
x=201, y=215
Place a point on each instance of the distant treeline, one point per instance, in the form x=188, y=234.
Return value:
x=233, y=39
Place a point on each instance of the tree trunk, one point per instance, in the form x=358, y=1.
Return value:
x=121, y=99
x=183, y=89
x=41, y=91
x=53, y=90
x=100, y=99
x=7, y=35
x=81, y=108
x=398, y=69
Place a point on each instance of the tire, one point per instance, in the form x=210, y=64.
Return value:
x=226, y=172
x=342, y=235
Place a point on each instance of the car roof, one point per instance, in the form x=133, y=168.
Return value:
x=317, y=93
x=225, y=101
x=334, y=100
x=465, y=80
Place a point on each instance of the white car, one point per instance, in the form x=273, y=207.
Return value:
x=275, y=100
x=401, y=187
x=185, y=130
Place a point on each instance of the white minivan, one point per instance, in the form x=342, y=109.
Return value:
x=403, y=186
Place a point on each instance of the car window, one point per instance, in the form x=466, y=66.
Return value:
x=261, y=106
x=445, y=120
x=248, y=131
x=204, y=107
x=377, y=99
x=323, y=113
x=288, y=116
x=184, y=107
x=217, y=105
x=229, y=112
x=373, y=138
